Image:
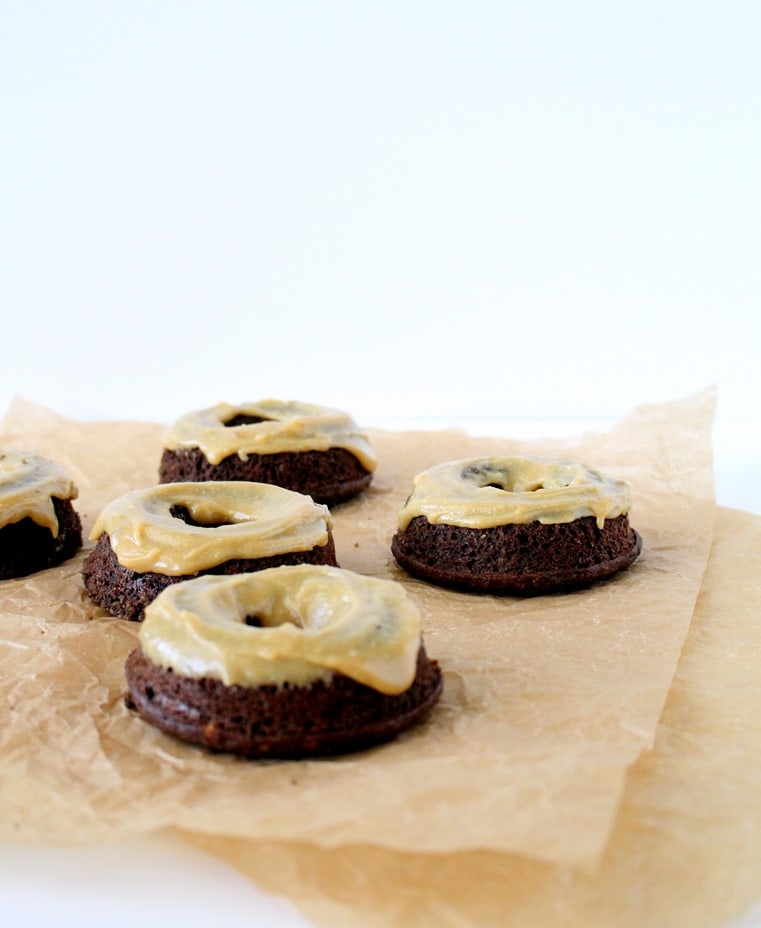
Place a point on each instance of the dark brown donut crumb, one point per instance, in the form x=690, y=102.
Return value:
x=329, y=477
x=26, y=547
x=277, y=721
x=125, y=593
x=518, y=559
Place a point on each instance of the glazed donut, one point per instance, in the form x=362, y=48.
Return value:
x=515, y=525
x=303, y=447
x=151, y=538
x=285, y=662
x=39, y=527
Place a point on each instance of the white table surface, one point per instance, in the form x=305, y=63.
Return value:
x=158, y=881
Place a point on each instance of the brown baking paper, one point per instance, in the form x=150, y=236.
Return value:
x=547, y=701
x=686, y=847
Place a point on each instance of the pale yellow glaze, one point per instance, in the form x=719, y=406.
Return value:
x=260, y=520
x=485, y=492
x=28, y=484
x=287, y=426
x=314, y=621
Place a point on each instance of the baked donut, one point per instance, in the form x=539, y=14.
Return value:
x=148, y=539
x=311, y=449
x=39, y=527
x=286, y=662
x=515, y=525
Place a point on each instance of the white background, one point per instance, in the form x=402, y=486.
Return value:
x=520, y=215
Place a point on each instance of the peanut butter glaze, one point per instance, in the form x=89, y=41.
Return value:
x=485, y=492
x=284, y=426
x=230, y=520
x=309, y=622
x=28, y=484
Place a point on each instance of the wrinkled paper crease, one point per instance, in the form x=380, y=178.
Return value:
x=548, y=702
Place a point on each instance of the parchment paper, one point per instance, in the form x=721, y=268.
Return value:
x=686, y=847
x=547, y=701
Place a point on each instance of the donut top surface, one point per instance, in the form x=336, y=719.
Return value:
x=28, y=485
x=280, y=426
x=491, y=491
x=282, y=625
x=148, y=530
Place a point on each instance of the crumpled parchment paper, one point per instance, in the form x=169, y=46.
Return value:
x=686, y=846
x=548, y=702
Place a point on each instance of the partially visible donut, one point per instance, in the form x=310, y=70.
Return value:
x=39, y=526
x=287, y=662
x=307, y=448
x=515, y=525
x=149, y=539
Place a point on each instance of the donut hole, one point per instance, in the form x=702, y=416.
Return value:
x=517, y=486
x=184, y=515
x=491, y=481
x=485, y=478
x=271, y=618
x=244, y=419
x=532, y=486
x=509, y=481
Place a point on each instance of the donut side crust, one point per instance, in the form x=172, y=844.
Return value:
x=277, y=721
x=520, y=560
x=329, y=477
x=125, y=593
x=26, y=547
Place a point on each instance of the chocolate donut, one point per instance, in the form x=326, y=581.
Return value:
x=152, y=538
x=520, y=526
x=39, y=526
x=303, y=447
x=287, y=662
